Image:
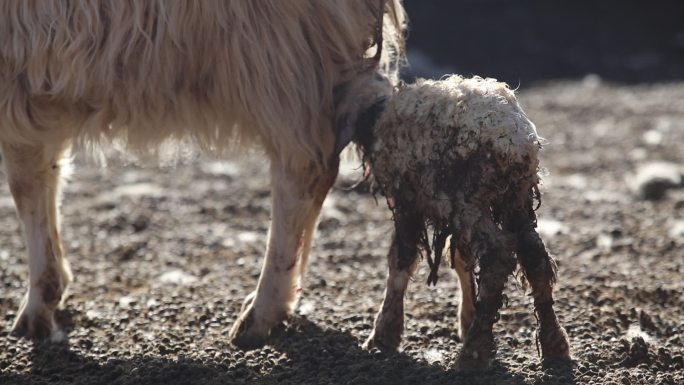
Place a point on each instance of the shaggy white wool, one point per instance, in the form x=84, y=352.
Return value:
x=214, y=70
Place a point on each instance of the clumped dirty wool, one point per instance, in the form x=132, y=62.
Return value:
x=445, y=147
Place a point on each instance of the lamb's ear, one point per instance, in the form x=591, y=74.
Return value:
x=358, y=124
x=344, y=132
x=356, y=106
x=346, y=111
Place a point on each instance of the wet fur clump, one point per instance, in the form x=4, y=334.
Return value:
x=444, y=148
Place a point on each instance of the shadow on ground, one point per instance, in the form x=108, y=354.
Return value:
x=308, y=348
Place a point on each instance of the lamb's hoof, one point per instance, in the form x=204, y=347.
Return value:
x=478, y=351
x=37, y=326
x=250, y=331
x=554, y=344
x=473, y=360
x=382, y=342
x=387, y=331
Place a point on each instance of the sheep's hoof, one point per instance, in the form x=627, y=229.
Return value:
x=251, y=330
x=246, y=333
x=382, y=342
x=554, y=343
x=37, y=326
x=247, y=342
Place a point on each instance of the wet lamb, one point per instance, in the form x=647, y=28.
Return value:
x=457, y=159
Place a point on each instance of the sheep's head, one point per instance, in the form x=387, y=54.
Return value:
x=358, y=104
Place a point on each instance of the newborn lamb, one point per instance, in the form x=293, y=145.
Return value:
x=455, y=158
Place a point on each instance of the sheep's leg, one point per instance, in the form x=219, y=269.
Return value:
x=33, y=174
x=297, y=199
x=466, y=310
x=496, y=264
x=539, y=270
x=389, y=322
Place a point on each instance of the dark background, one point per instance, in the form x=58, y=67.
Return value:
x=524, y=42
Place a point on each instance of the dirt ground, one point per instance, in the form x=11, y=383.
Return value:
x=162, y=259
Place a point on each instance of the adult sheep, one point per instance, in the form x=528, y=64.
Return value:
x=458, y=158
x=220, y=72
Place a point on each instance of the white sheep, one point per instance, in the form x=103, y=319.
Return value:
x=455, y=158
x=219, y=72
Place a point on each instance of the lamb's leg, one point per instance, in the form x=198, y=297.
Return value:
x=488, y=244
x=539, y=270
x=297, y=199
x=466, y=310
x=389, y=323
x=33, y=174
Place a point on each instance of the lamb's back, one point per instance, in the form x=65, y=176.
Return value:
x=434, y=131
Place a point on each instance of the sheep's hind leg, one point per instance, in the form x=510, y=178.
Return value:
x=488, y=244
x=466, y=309
x=297, y=199
x=33, y=173
x=389, y=323
x=540, y=272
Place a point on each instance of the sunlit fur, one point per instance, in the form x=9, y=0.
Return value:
x=212, y=70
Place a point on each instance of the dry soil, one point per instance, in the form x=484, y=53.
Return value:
x=162, y=258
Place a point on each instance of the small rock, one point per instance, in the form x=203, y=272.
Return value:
x=248, y=237
x=127, y=301
x=177, y=277
x=550, y=227
x=652, y=180
x=433, y=356
x=577, y=181
x=653, y=137
x=604, y=242
x=306, y=307
x=677, y=230
x=137, y=190
x=638, y=352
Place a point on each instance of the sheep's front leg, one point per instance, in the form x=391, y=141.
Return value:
x=539, y=270
x=389, y=323
x=496, y=264
x=33, y=174
x=297, y=199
